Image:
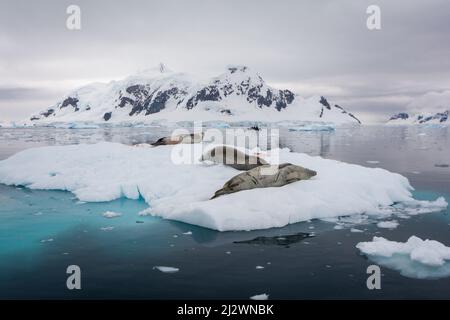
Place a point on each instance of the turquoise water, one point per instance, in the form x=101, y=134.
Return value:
x=43, y=232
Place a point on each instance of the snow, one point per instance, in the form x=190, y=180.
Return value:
x=111, y=214
x=387, y=224
x=415, y=258
x=166, y=269
x=177, y=191
x=262, y=296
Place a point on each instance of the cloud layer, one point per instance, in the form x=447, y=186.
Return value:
x=311, y=47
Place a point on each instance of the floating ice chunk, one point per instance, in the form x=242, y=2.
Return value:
x=178, y=191
x=388, y=224
x=259, y=267
x=47, y=240
x=356, y=230
x=187, y=233
x=166, y=269
x=111, y=214
x=262, y=296
x=414, y=258
x=373, y=161
x=106, y=228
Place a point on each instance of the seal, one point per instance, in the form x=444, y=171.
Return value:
x=251, y=179
x=182, y=138
x=233, y=157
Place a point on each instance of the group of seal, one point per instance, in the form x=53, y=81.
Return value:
x=256, y=168
x=257, y=171
x=255, y=178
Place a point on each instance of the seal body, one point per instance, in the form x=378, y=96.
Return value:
x=182, y=138
x=251, y=179
x=233, y=157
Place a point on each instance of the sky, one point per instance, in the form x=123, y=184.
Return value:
x=311, y=47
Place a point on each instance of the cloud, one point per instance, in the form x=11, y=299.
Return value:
x=311, y=45
x=431, y=102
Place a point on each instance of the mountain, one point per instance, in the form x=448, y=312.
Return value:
x=430, y=118
x=237, y=94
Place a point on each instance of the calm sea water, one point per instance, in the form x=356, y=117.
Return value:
x=42, y=232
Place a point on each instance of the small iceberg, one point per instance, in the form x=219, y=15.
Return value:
x=262, y=296
x=106, y=228
x=166, y=269
x=415, y=258
x=387, y=224
x=111, y=214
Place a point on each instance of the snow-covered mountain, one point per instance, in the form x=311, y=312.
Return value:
x=238, y=94
x=430, y=118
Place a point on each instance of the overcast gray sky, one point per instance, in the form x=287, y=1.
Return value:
x=312, y=47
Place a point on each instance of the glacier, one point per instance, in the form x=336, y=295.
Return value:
x=107, y=171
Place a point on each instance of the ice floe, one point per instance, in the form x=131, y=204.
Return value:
x=387, y=224
x=415, y=258
x=166, y=269
x=111, y=214
x=182, y=192
x=107, y=228
x=262, y=296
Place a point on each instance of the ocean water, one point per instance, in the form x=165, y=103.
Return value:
x=43, y=232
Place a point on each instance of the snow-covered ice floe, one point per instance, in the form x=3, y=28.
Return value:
x=415, y=258
x=107, y=171
x=387, y=224
x=166, y=269
x=111, y=214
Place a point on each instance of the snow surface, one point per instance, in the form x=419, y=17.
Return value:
x=177, y=191
x=415, y=258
